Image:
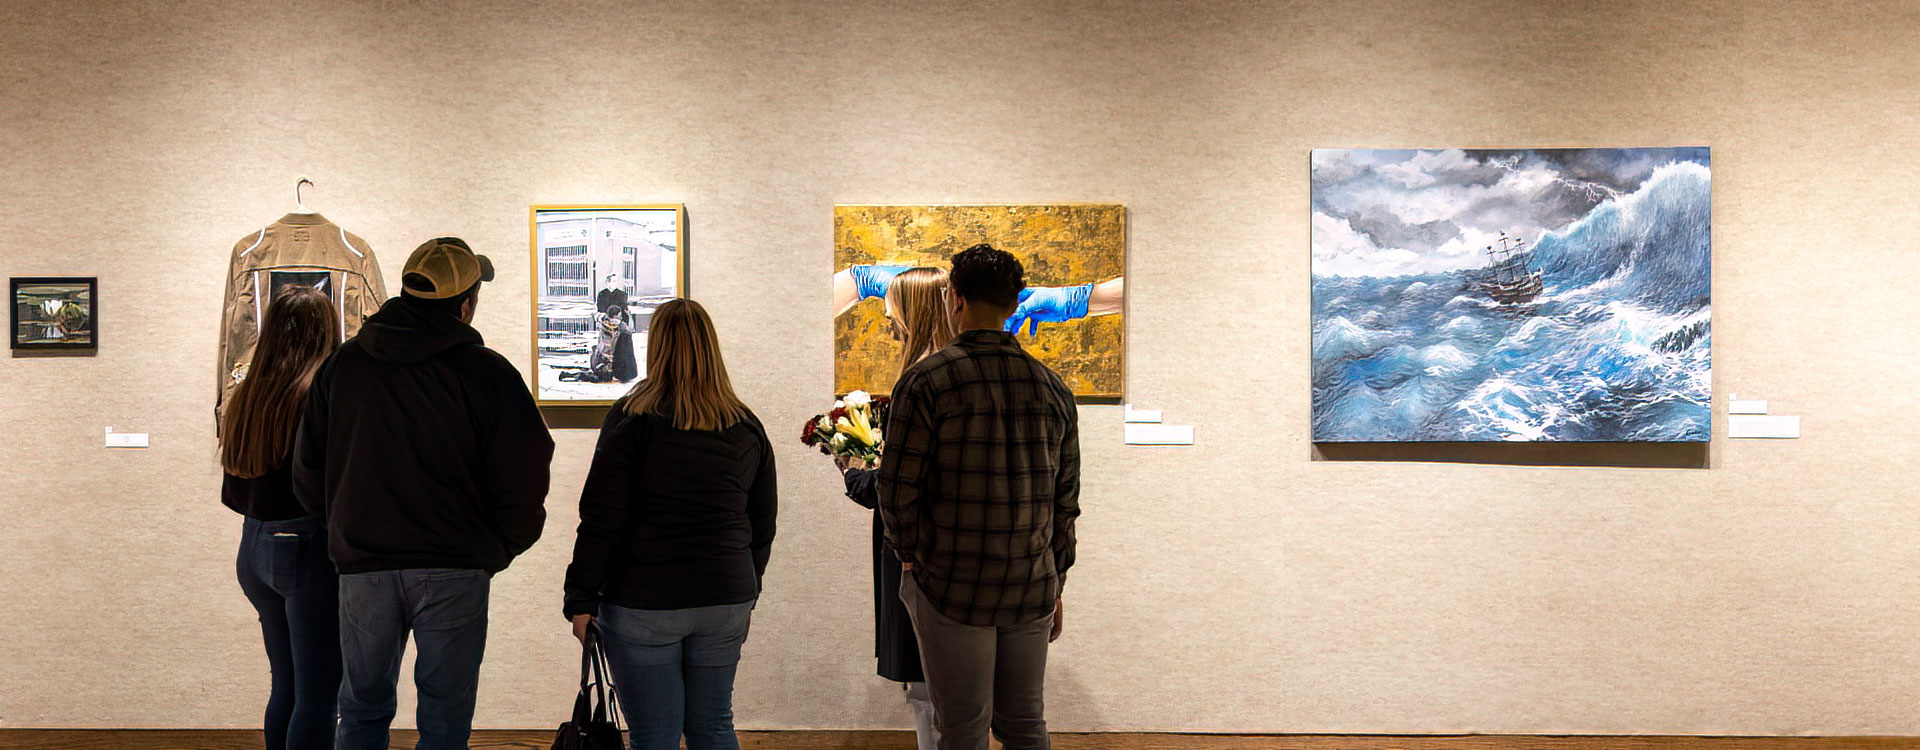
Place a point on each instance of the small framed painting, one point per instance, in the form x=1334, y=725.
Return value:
x=599, y=271
x=54, y=314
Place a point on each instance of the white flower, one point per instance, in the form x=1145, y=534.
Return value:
x=839, y=440
x=839, y=404
x=859, y=398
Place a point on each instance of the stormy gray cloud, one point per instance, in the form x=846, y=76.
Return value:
x=1392, y=212
x=1388, y=230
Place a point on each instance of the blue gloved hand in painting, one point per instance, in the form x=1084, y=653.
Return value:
x=872, y=281
x=1049, y=304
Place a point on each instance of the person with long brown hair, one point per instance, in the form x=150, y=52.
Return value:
x=282, y=564
x=917, y=314
x=676, y=526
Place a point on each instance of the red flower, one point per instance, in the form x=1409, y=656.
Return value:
x=834, y=417
x=811, y=434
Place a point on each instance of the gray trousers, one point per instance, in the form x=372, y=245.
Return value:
x=982, y=677
x=924, y=736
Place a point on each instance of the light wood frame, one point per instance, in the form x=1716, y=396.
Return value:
x=537, y=278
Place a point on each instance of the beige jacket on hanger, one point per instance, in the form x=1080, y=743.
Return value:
x=300, y=249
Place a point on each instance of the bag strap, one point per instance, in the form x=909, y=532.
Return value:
x=595, y=658
x=613, y=696
x=583, y=703
x=606, y=698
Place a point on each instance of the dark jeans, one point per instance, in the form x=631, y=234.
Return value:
x=446, y=610
x=673, y=670
x=284, y=570
x=982, y=677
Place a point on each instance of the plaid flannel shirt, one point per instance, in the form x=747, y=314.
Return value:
x=981, y=481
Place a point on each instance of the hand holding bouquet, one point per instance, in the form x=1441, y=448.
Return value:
x=851, y=431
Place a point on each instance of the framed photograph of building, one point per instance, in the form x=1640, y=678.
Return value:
x=54, y=314
x=598, y=273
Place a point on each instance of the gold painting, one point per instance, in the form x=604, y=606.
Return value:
x=1071, y=316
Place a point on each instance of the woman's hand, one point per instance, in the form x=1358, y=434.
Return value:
x=1059, y=619
x=580, y=623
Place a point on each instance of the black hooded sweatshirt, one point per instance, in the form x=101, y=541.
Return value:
x=422, y=448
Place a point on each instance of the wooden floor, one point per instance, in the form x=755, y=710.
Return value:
x=241, y=739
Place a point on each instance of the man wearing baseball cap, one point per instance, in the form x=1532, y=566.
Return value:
x=424, y=453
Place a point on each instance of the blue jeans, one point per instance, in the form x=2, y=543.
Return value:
x=446, y=610
x=284, y=571
x=673, y=670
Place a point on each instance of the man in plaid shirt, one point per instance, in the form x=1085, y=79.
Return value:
x=978, y=496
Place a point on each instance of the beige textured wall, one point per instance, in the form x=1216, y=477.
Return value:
x=1238, y=585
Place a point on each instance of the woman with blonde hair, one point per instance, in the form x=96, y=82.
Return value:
x=282, y=565
x=676, y=524
x=918, y=318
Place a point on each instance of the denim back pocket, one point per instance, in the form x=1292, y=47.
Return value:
x=285, y=554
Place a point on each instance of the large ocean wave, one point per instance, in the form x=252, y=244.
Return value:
x=1616, y=346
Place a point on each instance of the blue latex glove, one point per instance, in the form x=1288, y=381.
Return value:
x=1050, y=304
x=872, y=281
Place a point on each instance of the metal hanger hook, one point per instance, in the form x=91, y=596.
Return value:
x=297, y=202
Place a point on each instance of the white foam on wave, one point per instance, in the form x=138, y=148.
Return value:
x=1460, y=325
x=1636, y=329
x=1444, y=359
x=1507, y=406
x=1480, y=302
x=1338, y=337
x=1597, y=288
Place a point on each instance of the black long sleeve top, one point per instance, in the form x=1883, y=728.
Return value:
x=673, y=519
x=268, y=497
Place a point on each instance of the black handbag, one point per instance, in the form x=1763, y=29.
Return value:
x=596, y=712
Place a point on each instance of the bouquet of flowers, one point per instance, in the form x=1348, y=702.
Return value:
x=851, y=430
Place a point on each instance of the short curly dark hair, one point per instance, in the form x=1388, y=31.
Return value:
x=987, y=275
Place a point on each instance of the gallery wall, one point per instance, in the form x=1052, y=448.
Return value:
x=1244, y=584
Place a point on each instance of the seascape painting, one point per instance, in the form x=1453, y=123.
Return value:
x=1070, y=316
x=1512, y=295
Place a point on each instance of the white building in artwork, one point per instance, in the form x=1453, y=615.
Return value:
x=583, y=253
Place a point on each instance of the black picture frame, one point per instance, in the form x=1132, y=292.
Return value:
x=25, y=297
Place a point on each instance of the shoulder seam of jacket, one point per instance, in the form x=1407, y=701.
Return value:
x=256, y=242
x=349, y=243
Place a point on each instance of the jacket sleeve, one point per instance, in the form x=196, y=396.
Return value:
x=519, y=456
x=239, y=298
x=862, y=487
x=605, y=508
x=763, y=505
x=309, y=461
x=905, y=466
x=1066, y=496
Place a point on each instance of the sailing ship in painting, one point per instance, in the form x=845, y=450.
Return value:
x=1534, y=295
x=1506, y=278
